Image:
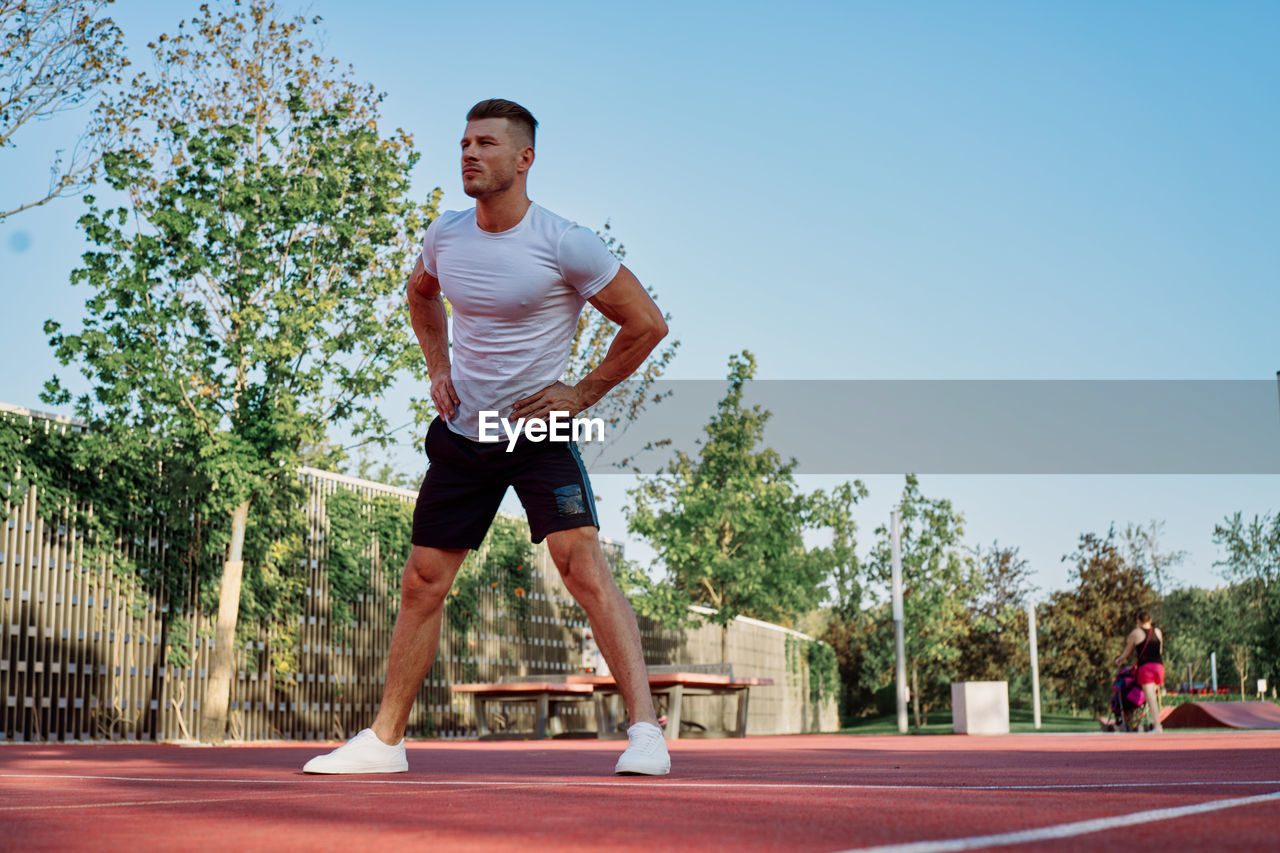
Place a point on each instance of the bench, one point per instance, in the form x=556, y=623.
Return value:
x=674, y=686
x=671, y=682
x=541, y=693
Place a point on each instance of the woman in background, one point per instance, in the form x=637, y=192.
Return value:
x=1149, y=642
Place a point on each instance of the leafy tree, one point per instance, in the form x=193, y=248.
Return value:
x=1083, y=628
x=55, y=56
x=938, y=578
x=818, y=659
x=987, y=630
x=847, y=573
x=995, y=646
x=850, y=628
x=367, y=467
x=653, y=598
x=1142, y=549
x=1197, y=623
x=729, y=524
x=1252, y=564
x=93, y=482
x=502, y=567
x=1240, y=660
x=862, y=641
x=1253, y=548
x=365, y=536
x=500, y=572
x=248, y=294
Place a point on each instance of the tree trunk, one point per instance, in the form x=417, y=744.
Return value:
x=724, y=644
x=217, y=697
x=1240, y=656
x=915, y=689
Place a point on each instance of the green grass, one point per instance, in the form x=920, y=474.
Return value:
x=1019, y=721
x=940, y=724
x=1173, y=700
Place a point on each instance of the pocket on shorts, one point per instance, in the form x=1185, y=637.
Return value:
x=570, y=501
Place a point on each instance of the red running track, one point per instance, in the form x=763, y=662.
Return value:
x=810, y=792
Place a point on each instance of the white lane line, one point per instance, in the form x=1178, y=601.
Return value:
x=127, y=803
x=1067, y=830
x=664, y=783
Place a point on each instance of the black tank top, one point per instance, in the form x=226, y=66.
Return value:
x=1149, y=651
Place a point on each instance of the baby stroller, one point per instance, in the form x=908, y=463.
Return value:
x=1127, y=701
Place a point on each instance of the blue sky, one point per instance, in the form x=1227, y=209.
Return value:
x=856, y=191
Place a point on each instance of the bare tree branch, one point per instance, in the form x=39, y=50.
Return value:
x=56, y=55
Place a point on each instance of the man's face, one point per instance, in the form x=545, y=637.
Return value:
x=494, y=154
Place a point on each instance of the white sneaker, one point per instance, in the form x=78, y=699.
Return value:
x=646, y=753
x=364, y=753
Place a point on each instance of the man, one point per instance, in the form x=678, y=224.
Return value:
x=1150, y=669
x=517, y=277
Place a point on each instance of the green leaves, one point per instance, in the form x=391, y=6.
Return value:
x=350, y=539
x=938, y=575
x=1252, y=547
x=1083, y=629
x=1252, y=563
x=729, y=525
x=820, y=660
x=501, y=568
x=995, y=646
x=591, y=340
x=56, y=55
x=247, y=296
x=107, y=486
x=660, y=601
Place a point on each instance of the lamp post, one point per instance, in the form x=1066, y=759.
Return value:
x=899, y=640
x=1035, y=664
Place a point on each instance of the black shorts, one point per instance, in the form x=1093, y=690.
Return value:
x=466, y=480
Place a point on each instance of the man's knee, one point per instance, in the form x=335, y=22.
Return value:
x=567, y=545
x=429, y=572
x=577, y=555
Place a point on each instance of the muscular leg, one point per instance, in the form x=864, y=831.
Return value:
x=428, y=574
x=585, y=572
x=1153, y=705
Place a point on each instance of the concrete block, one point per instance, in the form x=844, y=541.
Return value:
x=980, y=707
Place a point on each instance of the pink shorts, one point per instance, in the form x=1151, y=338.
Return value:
x=1151, y=673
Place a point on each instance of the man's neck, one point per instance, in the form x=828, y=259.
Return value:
x=502, y=212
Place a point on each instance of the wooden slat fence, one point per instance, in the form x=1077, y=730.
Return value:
x=82, y=656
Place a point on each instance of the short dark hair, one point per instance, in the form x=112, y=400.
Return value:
x=510, y=110
x=1143, y=616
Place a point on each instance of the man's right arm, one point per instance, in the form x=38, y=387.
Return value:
x=431, y=325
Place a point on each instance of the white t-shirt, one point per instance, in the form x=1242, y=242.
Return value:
x=516, y=297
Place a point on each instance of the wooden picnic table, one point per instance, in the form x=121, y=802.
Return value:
x=674, y=686
x=541, y=693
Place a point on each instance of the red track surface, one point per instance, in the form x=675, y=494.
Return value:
x=817, y=792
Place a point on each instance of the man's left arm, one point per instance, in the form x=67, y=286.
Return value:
x=640, y=327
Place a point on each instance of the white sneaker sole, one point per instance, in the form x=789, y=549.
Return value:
x=636, y=768
x=354, y=757
x=322, y=770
